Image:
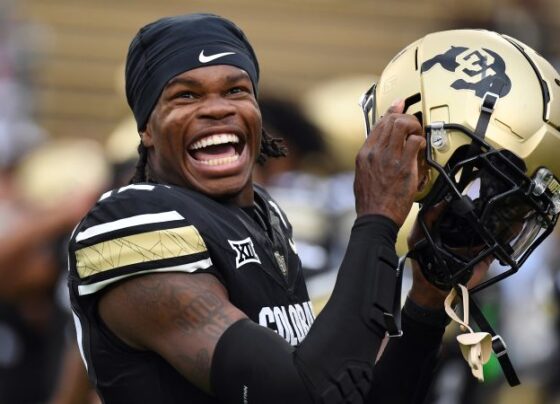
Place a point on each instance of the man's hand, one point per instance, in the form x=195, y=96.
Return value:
x=387, y=175
x=423, y=292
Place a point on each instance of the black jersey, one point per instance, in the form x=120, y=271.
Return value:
x=149, y=228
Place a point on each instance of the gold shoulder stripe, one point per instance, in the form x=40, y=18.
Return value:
x=137, y=248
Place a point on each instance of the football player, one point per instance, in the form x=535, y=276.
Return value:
x=186, y=285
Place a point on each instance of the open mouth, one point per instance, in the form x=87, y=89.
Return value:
x=216, y=150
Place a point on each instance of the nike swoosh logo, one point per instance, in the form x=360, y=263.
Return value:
x=202, y=58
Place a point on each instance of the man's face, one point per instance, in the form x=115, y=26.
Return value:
x=205, y=133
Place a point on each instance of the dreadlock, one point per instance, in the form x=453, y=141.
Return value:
x=141, y=172
x=270, y=147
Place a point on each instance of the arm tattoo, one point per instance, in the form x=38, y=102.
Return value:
x=204, y=312
x=194, y=305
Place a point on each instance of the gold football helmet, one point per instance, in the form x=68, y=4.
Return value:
x=490, y=107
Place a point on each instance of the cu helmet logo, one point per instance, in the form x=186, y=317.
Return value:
x=482, y=70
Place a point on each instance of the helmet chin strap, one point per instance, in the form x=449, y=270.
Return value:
x=476, y=346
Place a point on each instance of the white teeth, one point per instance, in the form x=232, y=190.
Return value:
x=220, y=161
x=214, y=140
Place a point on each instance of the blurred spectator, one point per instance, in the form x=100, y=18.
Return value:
x=298, y=181
x=304, y=140
x=37, y=212
x=40, y=203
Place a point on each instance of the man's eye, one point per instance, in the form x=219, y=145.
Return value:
x=237, y=90
x=186, y=94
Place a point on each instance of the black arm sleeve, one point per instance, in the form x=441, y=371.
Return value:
x=253, y=364
x=405, y=370
x=334, y=364
x=337, y=358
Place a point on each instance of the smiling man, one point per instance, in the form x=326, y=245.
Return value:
x=215, y=159
x=186, y=285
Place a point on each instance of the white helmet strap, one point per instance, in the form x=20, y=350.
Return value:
x=476, y=346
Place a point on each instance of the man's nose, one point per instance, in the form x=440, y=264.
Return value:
x=216, y=107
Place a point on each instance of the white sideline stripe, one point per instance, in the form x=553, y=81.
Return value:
x=139, y=187
x=105, y=195
x=79, y=337
x=129, y=222
x=190, y=267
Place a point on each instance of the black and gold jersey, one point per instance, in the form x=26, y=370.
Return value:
x=151, y=228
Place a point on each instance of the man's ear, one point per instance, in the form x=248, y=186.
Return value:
x=147, y=138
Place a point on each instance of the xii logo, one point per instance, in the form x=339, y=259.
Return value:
x=245, y=252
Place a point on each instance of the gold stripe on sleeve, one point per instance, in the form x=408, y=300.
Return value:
x=138, y=248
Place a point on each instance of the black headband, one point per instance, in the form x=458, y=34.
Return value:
x=167, y=47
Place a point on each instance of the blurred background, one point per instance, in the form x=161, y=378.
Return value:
x=66, y=135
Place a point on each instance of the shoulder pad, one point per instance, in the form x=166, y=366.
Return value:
x=134, y=230
x=135, y=208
